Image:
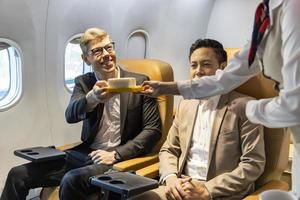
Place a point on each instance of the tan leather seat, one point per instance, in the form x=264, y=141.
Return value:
x=161, y=71
x=276, y=140
x=156, y=70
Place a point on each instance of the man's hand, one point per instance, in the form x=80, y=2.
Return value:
x=192, y=190
x=100, y=91
x=98, y=94
x=103, y=157
x=174, y=186
x=170, y=190
x=151, y=88
x=156, y=88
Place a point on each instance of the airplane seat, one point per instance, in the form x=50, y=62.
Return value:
x=161, y=71
x=287, y=174
x=276, y=140
x=155, y=70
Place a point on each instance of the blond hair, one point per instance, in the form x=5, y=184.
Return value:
x=89, y=35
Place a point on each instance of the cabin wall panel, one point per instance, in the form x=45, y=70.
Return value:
x=172, y=26
x=74, y=17
x=26, y=123
x=231, y=22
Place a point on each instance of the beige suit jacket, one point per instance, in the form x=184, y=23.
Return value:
x=236, y=154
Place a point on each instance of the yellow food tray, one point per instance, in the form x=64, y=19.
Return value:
x=132, y=89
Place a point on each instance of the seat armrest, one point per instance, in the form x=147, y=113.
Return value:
x=151, y=171
x=275, y=184
x=136, y=163
x=68, y=146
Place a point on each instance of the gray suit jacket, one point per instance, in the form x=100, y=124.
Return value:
x=236, y=154
x=140, y=120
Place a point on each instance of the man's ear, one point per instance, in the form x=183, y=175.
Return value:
x=84, y=58
x=223, y=65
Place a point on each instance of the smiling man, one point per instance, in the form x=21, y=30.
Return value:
x=210, y=152
x=115, y=127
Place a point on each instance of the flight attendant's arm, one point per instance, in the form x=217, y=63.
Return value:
x=235, y=74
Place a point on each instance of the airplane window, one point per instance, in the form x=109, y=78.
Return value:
x=4, y=69
x=10, y=74
x=74, y=65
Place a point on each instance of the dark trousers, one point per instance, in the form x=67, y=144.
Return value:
x=71, y=173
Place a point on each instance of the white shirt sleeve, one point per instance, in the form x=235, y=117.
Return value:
x=166, y=177
x=236, y=73
x=284, y=110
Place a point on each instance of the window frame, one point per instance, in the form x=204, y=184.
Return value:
x=13, y=97
x=64, y=61
x=146, y=37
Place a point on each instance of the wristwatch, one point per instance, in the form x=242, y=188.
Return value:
x=117, y=156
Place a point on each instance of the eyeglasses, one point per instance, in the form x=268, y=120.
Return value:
x=109, y=48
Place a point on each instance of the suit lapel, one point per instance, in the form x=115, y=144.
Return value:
x=219, y=117
x=95, y=115
x=273, y=4
x=123, y=109
x=124, y=97
x=191, y=115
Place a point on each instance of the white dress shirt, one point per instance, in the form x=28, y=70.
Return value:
x=197, y=159
x=109, y=134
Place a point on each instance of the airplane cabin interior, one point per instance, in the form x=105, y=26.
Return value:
x=40, y=57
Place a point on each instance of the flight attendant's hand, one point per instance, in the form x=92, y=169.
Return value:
x=103, y=157
x=151, y=88
x=157, y=88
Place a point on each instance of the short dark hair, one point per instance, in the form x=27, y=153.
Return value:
x=210, y=43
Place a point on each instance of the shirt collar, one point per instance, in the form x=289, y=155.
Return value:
x=211, y=102
x=272, y=5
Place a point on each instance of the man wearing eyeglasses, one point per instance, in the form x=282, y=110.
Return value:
x=115, y=127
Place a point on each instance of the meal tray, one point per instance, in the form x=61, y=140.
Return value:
x=124, y=183
x=131, y=89
x=40, y=154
